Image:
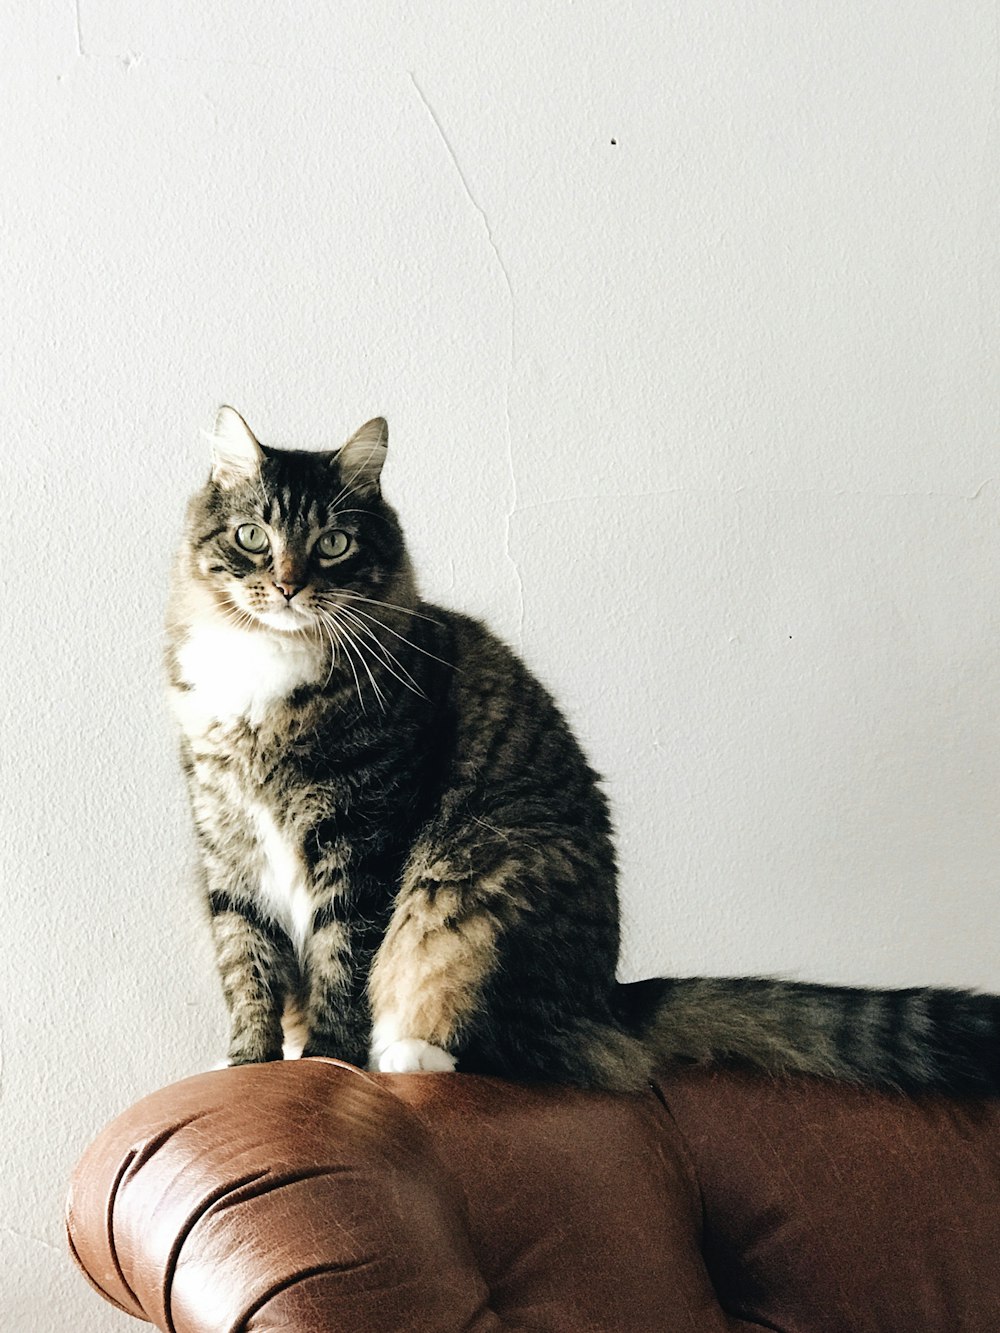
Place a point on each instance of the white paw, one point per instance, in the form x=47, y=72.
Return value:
x=410, y=1055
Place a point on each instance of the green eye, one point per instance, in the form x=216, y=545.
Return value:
x=252, y=538
x=332, y=544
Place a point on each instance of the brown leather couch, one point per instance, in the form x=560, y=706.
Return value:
x=309, y=1196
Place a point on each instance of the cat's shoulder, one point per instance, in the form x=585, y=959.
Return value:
x=473, y=643
x=484, y=661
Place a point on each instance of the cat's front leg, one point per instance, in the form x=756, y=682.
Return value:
x=256, y=967
x=439, y=951
x=336, y=1008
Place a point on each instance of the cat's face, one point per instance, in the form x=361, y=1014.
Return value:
x=291, y=542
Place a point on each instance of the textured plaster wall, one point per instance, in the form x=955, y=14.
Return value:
x=684, y=319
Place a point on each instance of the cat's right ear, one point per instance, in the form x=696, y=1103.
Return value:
x=236, y=455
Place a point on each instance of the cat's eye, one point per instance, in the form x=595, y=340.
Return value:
x=251, y=537
x=332, y=544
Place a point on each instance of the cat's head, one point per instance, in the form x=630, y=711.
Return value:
x=279, y=538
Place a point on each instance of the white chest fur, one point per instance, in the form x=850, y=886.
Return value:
x=284, y=886
x=236, y=673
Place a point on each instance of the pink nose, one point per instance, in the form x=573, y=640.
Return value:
x=288, y=590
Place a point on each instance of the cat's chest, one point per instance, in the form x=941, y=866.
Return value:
x=283, y=886
x=229, y=674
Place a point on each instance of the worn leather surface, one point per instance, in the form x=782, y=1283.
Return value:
x=837, y=1210
x=307, y=1196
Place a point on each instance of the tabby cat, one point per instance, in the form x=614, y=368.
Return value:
x=402, y=844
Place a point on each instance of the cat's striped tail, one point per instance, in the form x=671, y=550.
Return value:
x=912, y=1040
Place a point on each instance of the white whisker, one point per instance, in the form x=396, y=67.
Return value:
x=374, y=601
x=369, y=513
x=237, y=615
x=349, y=636
x=325, y=631
x=350, y=661
x=402, y=637
x=387, y=656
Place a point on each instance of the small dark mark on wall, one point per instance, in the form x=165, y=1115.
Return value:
x=614, y=143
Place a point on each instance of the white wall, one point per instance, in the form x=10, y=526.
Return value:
x=704, y=419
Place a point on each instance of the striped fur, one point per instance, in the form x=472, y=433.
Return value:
x=404, y=850
x=919, y=1039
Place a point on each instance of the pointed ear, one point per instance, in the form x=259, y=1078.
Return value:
x=236, y=455
x=361, y=458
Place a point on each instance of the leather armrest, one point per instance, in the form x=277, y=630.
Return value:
x=276, y=1197
x=306, y=1196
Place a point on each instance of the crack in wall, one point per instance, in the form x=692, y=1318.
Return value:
x=491, y=240
x=79, y=30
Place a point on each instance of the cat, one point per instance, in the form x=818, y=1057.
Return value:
x=402, y=845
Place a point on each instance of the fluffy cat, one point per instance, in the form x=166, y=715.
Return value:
x=402, y=843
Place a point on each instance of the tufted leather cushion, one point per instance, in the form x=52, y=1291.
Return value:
x=307, y=1196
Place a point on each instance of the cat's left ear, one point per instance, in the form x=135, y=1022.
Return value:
x=236, y=455
x=361, y=458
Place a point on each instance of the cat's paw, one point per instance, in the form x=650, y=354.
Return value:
x=235, y=1061
x=410, y=1055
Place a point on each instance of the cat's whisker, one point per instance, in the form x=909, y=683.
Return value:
x=388, y=657
x=333, y=651
x=233, y=613
x=357, y=683
x=245, y=620
x=354, y=490
x=380, y=653
x=368, y=513
x=335, y=632
x=351, y=638
x=364, y=658
x=402, y=637
x=237, y=615
x=338, y=642
x=390, y=661
x=339, y=593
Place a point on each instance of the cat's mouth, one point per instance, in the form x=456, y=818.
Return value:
x=285, y=618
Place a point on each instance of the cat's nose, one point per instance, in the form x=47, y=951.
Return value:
x=288, y=590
